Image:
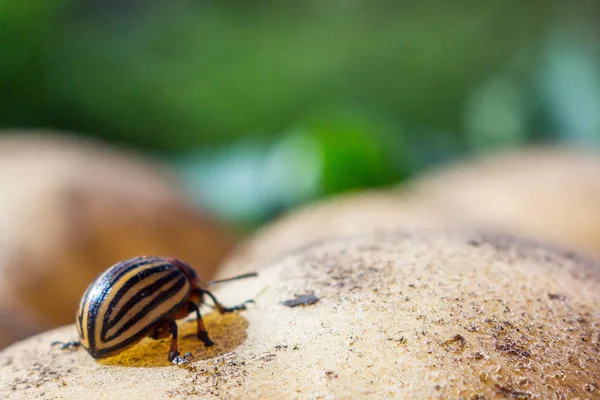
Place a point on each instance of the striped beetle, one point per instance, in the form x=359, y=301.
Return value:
x=138, y=297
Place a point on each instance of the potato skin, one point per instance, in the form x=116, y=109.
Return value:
x=409, y=315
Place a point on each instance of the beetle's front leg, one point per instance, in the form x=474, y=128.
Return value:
x=200, y=329
x=222, y=309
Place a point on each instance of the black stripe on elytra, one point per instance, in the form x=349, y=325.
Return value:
x=93, y=304
x=144, y=293
x=83, y=302
x=134, y=338
x=132, y=283
x=121, y=345
x=131, y=264
x=80, y=325
x=80, y=317
x=91, y=324
x=161, y=298
x=120, y=270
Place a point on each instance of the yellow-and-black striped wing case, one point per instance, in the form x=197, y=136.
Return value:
x=124, y=303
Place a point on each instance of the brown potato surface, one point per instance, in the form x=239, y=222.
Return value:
x=398, y=316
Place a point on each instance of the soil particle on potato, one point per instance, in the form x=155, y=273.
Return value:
x=331, y=374
x=301, y=300
x=455, y=344
x=556, y=296
x=512, y=393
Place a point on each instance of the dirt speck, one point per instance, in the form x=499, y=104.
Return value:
x=511, y=393
x=589, y=387
x=513, y=349
x=301, y=300
x=478, y=356
x=456, y=344
x=330, y=375
x=401, y=341
x=556, y=296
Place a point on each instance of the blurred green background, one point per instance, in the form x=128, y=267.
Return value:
x=262, y=105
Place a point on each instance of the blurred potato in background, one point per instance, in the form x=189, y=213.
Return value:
x=549, y=193
x=69, y=209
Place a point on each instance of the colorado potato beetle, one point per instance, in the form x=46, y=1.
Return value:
x=139, y=297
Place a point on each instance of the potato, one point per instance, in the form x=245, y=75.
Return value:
x=69, y=209
x=550, y=193
x=547, y=193
x=435, y=315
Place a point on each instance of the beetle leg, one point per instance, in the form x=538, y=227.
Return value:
x=224, y=310
x=74, y=344
x=200, y=329
x=174, y=356
x=165, y=329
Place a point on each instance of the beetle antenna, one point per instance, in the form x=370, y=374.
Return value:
x=234, y=278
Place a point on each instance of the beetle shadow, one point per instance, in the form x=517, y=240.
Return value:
x=228, y=331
